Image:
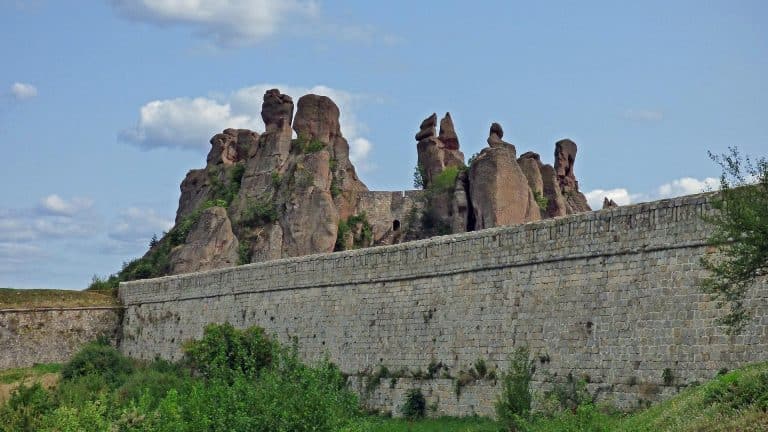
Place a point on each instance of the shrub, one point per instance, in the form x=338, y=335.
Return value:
x=302, y=144
x=25, y=409
x=260, y=212
x=446, y=180
x=415, y=405
x=244, y=253
x=98, y=359
x=514, y=404
x=225, y=351
x=570, y=394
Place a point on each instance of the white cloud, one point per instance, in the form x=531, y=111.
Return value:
x=184, y=123
x=190, y=122
x=54, y=204
x=643, y=115
x=595, y=197
x=226, y=22
x=687, y=186
x=675, y=188
x=137, y=225
x=23, y=91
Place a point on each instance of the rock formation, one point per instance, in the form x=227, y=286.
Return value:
x=498, y=189
x=210, y=244
x=609, y=203
x=435, y=153
x=565, y=157
x=267, y=196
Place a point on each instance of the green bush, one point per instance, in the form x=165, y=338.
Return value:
x=260, y=212
x=224, y=351
x=513, y=407
x=419, y=177
x=570, y=394
x=26, y=408
x=101, y=360
x=446, y=180
x=415, y=405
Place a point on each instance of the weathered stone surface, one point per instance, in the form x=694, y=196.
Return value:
x=530, y=164
x=556, y=205
x=53, y=335
x=231, y=146
x=195, y=190
x=317, y=117
x=210, y=244
x=565, y=159
x=448, y=134
x=310, y=219
x=276, y=110
x=460, y=205
x=499, y=190
x=609, y=203
x=427, y=128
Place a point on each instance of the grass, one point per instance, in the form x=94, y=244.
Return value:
x=45, y=298
x=442, y=424
x=10, y=376
x=47, y=374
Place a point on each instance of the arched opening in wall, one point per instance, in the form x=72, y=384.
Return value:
x=395, y=225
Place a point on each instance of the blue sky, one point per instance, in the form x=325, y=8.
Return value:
x=104, y=106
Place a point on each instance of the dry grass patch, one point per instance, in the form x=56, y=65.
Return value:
x=47, y=298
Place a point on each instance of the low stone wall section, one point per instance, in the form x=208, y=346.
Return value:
x=52, y=335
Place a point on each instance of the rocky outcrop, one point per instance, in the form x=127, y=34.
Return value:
x=434, y=154
x=276, y=110
x=609, y=203
x=210, y=244
x=565, y=158
x=499, y=190
x=267, y=196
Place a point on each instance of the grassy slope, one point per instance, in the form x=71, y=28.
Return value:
x=36, y=298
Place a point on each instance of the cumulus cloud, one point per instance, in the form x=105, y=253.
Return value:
x=183, y=123
x=226, y=22
x=675, y=188
x=23, y=91
x=189, y=123
x=643, y=115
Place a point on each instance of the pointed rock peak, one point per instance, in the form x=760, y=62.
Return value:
x=565, y=158
x=448, y=133
x=427, y=128
x=276, y=110
x=317, y=117
x=609, y=203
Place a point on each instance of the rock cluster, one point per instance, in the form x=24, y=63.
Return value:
x=436, y=152
x=270, y=195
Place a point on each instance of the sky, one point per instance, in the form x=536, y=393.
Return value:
x=105, y=105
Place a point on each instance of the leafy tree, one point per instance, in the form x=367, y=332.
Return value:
x=740, y=234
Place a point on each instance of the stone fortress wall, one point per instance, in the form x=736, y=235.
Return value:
x=609, y=296
x=52, y=335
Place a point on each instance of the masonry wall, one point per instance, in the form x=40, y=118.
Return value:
x=52, y=335
x=610, y=296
